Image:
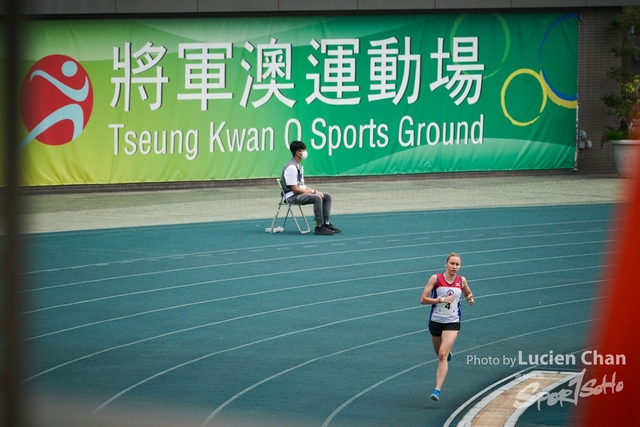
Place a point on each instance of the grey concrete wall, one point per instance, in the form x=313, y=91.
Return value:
x=594, y=60
x=70, y=7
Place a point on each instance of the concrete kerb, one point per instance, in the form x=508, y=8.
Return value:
x=66, y=212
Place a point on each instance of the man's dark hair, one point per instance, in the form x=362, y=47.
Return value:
x=296, y=146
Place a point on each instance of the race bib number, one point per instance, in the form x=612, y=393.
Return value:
x=446, y=308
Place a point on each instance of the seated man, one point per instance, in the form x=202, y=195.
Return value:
x=296, y=192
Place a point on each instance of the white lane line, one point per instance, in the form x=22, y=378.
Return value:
x=333, y=282
x=319, y=327
x=246, y=262
x=245, y=249
x=99, y=408
x=206, y=325
x=308, y=362
x=497, y=398
x=351, y=400
x=324, y=268
x=485, y=390
x=286, y=371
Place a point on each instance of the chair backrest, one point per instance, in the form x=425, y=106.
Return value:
x=281, y=188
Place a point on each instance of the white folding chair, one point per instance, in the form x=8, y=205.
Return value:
x=285, y=202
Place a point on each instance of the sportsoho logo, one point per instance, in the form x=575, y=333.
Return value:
x=56, y=100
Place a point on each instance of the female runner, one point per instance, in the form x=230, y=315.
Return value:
x=443, y=292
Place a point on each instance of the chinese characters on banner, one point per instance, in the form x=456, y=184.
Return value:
x=206, y=66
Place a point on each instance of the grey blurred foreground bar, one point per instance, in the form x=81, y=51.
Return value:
x=12, y=414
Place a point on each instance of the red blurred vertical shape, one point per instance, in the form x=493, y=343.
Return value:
x=618, y=333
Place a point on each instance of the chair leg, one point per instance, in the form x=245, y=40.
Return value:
x=305, y=221
x=286, y=217
x=275, y=229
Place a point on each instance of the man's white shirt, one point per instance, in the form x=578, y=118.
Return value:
x=291, y=178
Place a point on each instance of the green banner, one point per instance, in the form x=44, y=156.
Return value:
x=122, y=101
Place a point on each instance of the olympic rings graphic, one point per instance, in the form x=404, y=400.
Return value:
x=562, y=99
x=548, y=90
x=507, y=39
x=543, y=86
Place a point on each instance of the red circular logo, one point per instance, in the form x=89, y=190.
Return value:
x=56, y=100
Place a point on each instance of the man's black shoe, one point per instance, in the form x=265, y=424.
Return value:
x=323, y=230
x=332, y=228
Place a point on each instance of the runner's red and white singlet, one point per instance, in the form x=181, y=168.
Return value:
x=446, y=312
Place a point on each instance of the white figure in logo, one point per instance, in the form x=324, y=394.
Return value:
x=71, y=112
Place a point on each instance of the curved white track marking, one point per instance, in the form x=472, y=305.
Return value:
x=248, y=345
x=333, y=282
x=305, y=243
x=219, y=322
x=324, y=284
x=125, y=230
x=254, y=276
x=308, y=362
x=167, y=288
x=351, y=400
x=536, y=289
x=514, y=375
x=330, y=253
x=314, y=328
x=555, y=304
x=480, y=393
